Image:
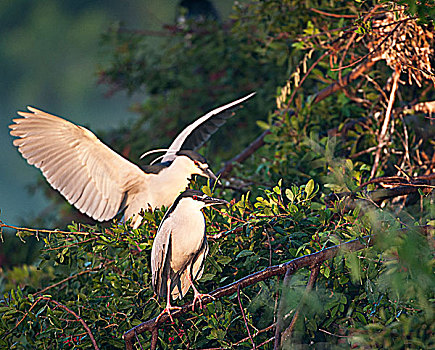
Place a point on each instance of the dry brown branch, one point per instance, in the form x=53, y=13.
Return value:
x=334, y=87
x=336, y=15
x=294, y=265
x=424, y=107
x=255, y=334
x=370, y=53
x=382, y=135
x=399, y=179
x=245, y=154
x=403, y=187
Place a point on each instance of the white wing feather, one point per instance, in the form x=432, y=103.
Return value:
x=75, y=162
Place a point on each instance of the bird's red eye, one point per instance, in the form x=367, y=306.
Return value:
x=195, y=197
x=196, y=162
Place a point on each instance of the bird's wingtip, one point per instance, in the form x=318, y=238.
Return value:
x=33, y=109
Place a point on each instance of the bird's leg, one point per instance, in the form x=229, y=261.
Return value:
x=197, y=295
x=168, y=307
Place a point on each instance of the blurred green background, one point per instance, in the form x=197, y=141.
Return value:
x=49, y=57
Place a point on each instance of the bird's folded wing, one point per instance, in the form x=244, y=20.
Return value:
x=197, y=133
x=75, y=162
x=159, y=256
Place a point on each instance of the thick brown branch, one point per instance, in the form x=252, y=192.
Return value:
x=352, y=201
x=401, y=180
x=291, y=266
x=245, y=154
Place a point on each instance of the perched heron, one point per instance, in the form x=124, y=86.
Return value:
x=180, y=248
x=101, y=183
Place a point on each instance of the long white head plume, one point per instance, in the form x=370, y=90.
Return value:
x=154, y=151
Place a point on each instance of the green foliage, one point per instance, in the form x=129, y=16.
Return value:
x=105, y=277
x=377, y=298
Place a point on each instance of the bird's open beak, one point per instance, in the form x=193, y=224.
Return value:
x=209, y=201
x=212, y=176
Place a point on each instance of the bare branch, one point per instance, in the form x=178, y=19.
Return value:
x=244, y=319
x=425, y=107
x=67, y=279
x=311, y=281
x=374, y=198
x=245, y=154
x=382, y=135
x=38, y=231
x=356, y=72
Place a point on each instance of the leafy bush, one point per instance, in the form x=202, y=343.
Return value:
x=328, y=174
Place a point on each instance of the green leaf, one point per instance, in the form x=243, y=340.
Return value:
x=224, y=260
x=244, y=253
x=309, y=187
x=289, y=194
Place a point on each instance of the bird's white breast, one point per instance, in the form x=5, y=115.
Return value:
x=187, y=234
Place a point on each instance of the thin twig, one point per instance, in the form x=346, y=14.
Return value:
x=334, y=87
x=334, y=335
x=369, y=53
x=78, y=318
x=137, y=339
x=67, y=279
x=336, y=15
x=244, y=318
x=38, y=231
x=255, y=334
x=286, y=335
x=306, y=75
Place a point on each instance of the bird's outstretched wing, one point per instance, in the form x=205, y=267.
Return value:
x=197, y=133
x=75, y=162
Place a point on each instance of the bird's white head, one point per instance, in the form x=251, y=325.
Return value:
x=197, y=200
x=192, y=163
